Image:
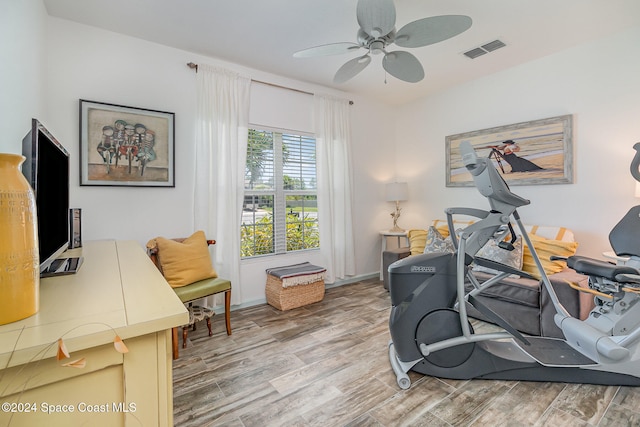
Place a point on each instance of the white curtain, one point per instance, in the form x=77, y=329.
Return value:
x=221, y=148
x=332, y=129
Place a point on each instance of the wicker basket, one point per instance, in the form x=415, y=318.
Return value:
x=286, y=298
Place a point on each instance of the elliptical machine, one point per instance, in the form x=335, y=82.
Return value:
x=430, y=330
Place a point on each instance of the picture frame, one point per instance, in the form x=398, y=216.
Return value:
x=537, y=152
x=126, y=146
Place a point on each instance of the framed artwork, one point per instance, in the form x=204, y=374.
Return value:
x=528, y=153
x=126, y=146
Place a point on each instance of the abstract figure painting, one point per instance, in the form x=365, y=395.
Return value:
x=126, y=146
x=528, y=153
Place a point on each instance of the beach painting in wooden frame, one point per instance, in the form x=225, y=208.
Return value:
x=527, y=153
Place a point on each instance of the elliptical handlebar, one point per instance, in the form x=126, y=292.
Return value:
x=635, y=163
x=450, y=212
x=504, y=202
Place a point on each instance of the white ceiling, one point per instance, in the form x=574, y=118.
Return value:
x=263, y=34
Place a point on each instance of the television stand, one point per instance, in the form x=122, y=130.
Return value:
x=62, y=266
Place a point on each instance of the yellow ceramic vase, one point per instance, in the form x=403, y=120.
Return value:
x=19, y=260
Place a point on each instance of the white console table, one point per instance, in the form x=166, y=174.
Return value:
x=116, y=289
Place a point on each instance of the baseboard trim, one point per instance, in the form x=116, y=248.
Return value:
x=353, y=279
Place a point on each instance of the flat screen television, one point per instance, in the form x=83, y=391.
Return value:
x=47, y=169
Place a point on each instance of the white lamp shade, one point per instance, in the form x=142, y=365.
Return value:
x=397, y=191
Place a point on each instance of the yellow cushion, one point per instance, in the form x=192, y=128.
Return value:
x=417, y=241
x=186, y=262
x=545, y=248
x=551, y=232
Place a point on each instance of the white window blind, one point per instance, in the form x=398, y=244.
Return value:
x=280, y=211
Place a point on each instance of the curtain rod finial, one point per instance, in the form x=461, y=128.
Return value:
x=193, y=66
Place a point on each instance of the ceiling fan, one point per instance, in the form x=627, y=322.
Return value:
x=377, y=20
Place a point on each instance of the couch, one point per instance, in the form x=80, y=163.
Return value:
x=524, y=303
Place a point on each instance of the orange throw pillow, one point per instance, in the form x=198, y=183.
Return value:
x=185, y=262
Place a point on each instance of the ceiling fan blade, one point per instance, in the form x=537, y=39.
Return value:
x=434, y=29
x=351, y=68
x=327, y=49
x=376, y=17
x=403, y=66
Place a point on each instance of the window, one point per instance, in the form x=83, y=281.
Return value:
x=280, y=210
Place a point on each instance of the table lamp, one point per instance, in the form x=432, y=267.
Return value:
x=396, y=192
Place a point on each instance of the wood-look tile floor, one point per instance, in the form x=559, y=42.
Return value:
x=326, y=364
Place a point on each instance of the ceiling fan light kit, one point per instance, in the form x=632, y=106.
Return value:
x=376, y=19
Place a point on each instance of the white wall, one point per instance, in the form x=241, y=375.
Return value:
x=22, y=59
x=596, y=82
x=89, y=63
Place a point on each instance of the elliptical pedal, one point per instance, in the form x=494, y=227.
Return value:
x=554, y=352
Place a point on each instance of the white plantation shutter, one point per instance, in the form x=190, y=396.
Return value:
x=286, y=167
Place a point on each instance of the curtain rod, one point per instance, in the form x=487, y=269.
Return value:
x=194, y=66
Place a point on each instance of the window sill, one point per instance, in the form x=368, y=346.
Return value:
x=279, y=257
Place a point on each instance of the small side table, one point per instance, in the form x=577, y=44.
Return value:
x=400, y=235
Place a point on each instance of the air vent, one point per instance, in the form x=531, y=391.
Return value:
x=474, y=53
x=491, y=46
x=485, y=48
